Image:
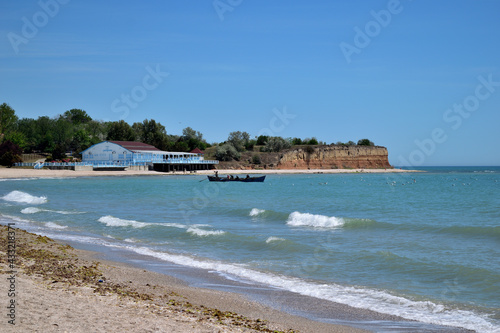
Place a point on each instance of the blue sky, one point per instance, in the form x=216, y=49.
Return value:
x=419, y=77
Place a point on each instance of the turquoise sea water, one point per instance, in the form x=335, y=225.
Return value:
x=423, y=246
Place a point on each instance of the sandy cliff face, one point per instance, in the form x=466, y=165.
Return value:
x=335, y=157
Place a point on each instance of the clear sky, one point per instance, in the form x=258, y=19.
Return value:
x=420, y=77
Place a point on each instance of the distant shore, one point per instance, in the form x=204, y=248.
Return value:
x=45, y=173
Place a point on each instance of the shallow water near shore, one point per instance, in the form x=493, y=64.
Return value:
x=422, y=246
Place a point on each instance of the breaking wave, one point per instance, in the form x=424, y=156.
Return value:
x=203, y=233
x=23, y=197
x=297, y=219
x=55, y=225
x=112, y=221
x=34, y=210
x=256, y=211
x=274, y=239
x=31, y=210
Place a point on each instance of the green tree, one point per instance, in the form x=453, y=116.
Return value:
x=120, y=131
x=27, y=128
x=276, y=144
x=312, y=141
x=250, y=144
x=238, y=140
x=365, y=142
x=227, y=152
x=17, y=138
x=153, y=133
x=262, y=139
x=193, y=139
x=62, y=135
x=58, y=152
x=8, y=120
x=97, y=131
x=77, y=116
x=81, y=141
x=44, y=134
x=181, y=146
x=189, y=133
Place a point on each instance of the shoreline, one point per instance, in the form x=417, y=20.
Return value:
x=80, y=290
x=102, y=295
x=13, y=173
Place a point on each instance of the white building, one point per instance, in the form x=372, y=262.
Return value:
x=128, y=153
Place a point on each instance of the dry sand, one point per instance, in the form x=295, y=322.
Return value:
x=58, y=289
x=44, y=173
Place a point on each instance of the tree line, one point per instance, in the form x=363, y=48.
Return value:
x=74, y=131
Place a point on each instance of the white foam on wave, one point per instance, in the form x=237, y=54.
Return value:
x=31, y=210
x=298, y=219
x=11, y=218
x=34, y=210
x=203, y=233
x=175, y=225
x=75, y=238
x=130, y=240
x=380, y=301
x=23, y=197
x=53, y=225
x=112, y=221
x=274, y=239
x=256, y=211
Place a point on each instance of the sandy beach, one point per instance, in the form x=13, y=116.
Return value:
x=56, y=288
x=45, y=173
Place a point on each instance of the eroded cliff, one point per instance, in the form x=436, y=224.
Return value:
x=335, y=157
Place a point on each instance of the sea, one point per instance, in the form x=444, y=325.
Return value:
x=404, y=252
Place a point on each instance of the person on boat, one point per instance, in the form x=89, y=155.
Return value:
x=216, y=174
x=248, y=176
x=237, y=177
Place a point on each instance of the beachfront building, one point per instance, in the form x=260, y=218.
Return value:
x=137, y=154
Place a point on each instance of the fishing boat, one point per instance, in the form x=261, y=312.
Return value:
x=246, y=179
